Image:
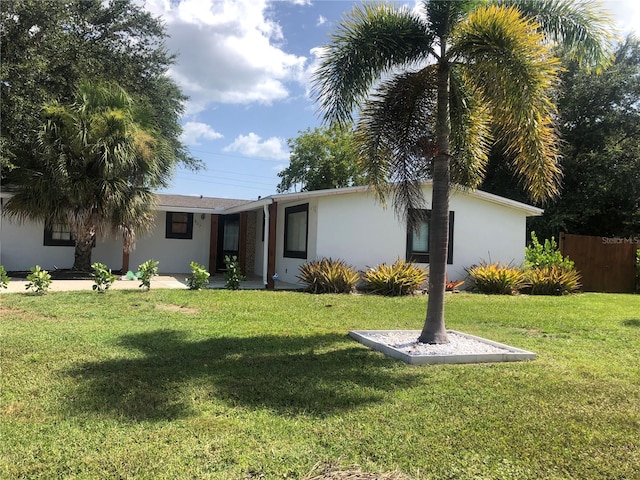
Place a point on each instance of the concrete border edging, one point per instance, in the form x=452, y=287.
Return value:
x=510, y=354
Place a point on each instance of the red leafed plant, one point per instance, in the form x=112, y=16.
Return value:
x=452, y=285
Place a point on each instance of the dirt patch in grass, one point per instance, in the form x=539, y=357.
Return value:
x=169, y=307
x=10, y=313
x=331, y=472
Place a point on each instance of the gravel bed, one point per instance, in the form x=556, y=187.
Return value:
x=407, y=342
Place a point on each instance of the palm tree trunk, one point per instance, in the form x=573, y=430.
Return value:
x=82, y=255
x=434, y=330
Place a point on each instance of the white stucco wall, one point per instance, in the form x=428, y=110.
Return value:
x=485, y=231
x=356, y=228
x=21, y=247
x=173, y=254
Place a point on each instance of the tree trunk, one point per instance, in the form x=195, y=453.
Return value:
x=82, y=257
x=125, y=262
x=434, y=330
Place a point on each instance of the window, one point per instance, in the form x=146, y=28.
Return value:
x=231, y=234
x=179, y=225
x=418, y=240
x=295, y=231
x=58, y=235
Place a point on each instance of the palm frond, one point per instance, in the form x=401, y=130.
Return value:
x=371, y=40
x=508, y=61
x=395, y=131
x=444, y=15
x=471, y=136
x=583, y=29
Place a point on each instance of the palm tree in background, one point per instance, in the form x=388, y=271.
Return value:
x=98, y=161
x=436, y=89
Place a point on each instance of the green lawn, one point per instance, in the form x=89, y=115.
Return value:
x=236, y=385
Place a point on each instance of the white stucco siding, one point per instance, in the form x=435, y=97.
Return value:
x=358, y=230
x=22, y=247
x=485, y=231
x=174, y=254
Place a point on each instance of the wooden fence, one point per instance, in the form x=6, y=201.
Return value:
x=605, y=264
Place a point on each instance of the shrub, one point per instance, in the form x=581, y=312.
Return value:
x=496, y=279
x=146, y=271
x=399, y=278
x=102, y=277
x=328, y=276
x=538, y=255
x=547, y=271
x=232, y=275
x=39, y=280
x=4, y=278
x=552, y=280
x=199, y=278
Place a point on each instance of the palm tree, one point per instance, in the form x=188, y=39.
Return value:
x=436, y=89
x=98, y=160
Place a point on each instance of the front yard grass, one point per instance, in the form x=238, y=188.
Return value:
x=235, y=385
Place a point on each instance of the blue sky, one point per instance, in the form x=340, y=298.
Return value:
x=246, y=65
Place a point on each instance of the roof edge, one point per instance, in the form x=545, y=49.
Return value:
x=490, y=197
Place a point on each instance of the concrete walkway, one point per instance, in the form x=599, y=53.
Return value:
x=169, y=280
x=161, y=281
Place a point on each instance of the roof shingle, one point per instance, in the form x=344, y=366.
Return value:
x=192, y=201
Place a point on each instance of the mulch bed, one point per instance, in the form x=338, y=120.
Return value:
x=59, y=274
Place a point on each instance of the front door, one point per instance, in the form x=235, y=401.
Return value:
x=228, y=238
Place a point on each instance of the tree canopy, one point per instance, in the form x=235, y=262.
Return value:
x=599, y=121
x=324, y=157
x=97, y=161
x=50, y=46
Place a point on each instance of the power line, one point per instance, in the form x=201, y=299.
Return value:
x=203, y=178
x=236, y=173
x=227, y=184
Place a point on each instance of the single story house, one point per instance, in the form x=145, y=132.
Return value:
x=279, y=233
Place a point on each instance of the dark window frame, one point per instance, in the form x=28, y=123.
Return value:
x=304, y=207
x=49, y=241
x=169, y=233
x=423, y=257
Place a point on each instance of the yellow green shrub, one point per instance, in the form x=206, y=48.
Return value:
x=399, y=278
x=328, y=276
x=497, y=279
x=552, y=280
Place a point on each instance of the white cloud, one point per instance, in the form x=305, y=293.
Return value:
x=192, y=132
x=626, y=14
x=228, y=51
x=317, y=54
x=252, y=145
x=321, y=21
